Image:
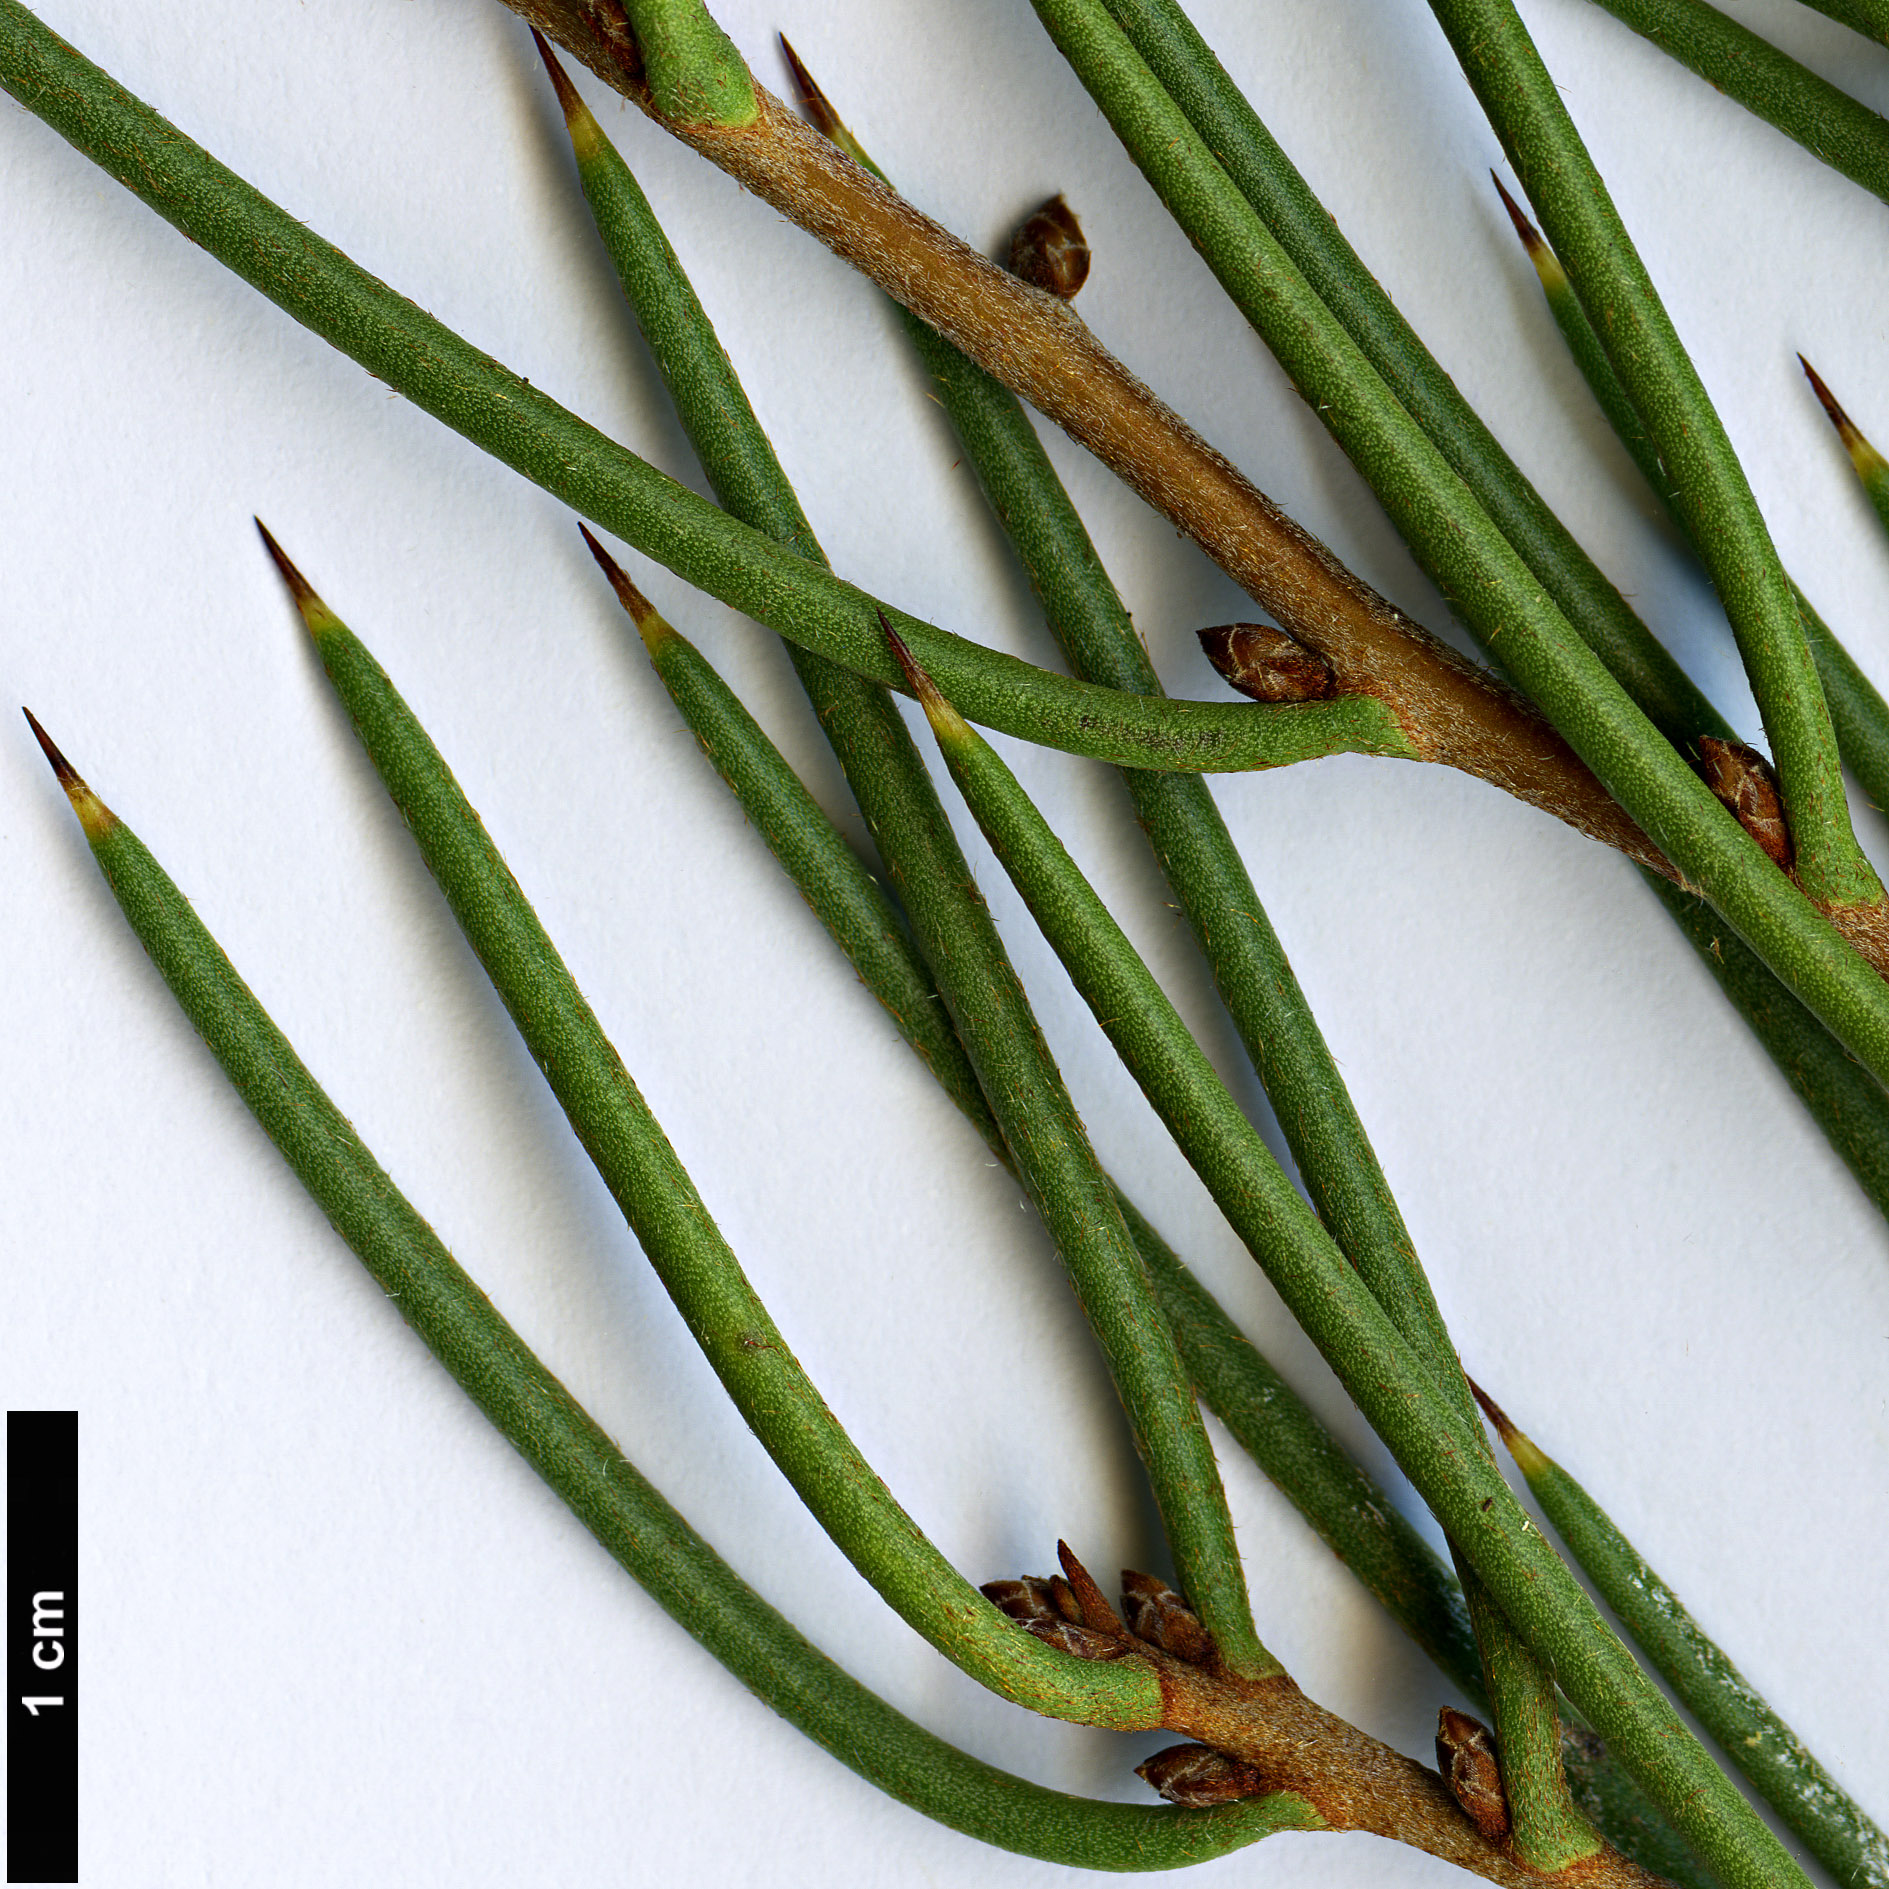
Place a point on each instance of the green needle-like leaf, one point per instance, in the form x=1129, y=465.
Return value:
x=1353, y=1516
x=991, y=1016
x=1190, y=839
x=655, y=1195
x=1709, y=486
x=734, y=451
x=1239, y=1386
x=1832, y=1825
x=1825, y=120
x=1392, y=1386
x=541, y=1420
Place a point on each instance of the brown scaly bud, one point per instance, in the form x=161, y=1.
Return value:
x=1199, y=1777
x=1267, y=664
x=1026, y=1601
x=1742, y=778
x=1161, y=1617
x=1465, y=1754
x=1049, y=1609
x=1048, y=251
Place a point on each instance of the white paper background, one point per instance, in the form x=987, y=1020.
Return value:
x=335, y=1631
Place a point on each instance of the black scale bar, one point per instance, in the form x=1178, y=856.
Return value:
x=42, y=1624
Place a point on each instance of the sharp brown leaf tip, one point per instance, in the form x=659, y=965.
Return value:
x=597, y=551
x=945, y=720
x=299, y=587
x=94, y=816
x=1531, y=237
x=814, y=101
x=1822, y=392
x=628, y=595
x=1491, y=1409
x=568, y=101
x=1838, y=418
x=68, y=775
x=922, y=684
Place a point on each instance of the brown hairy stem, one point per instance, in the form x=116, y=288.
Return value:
x=1353, y=1781
x=1452, y=711
x=1254, y=1736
